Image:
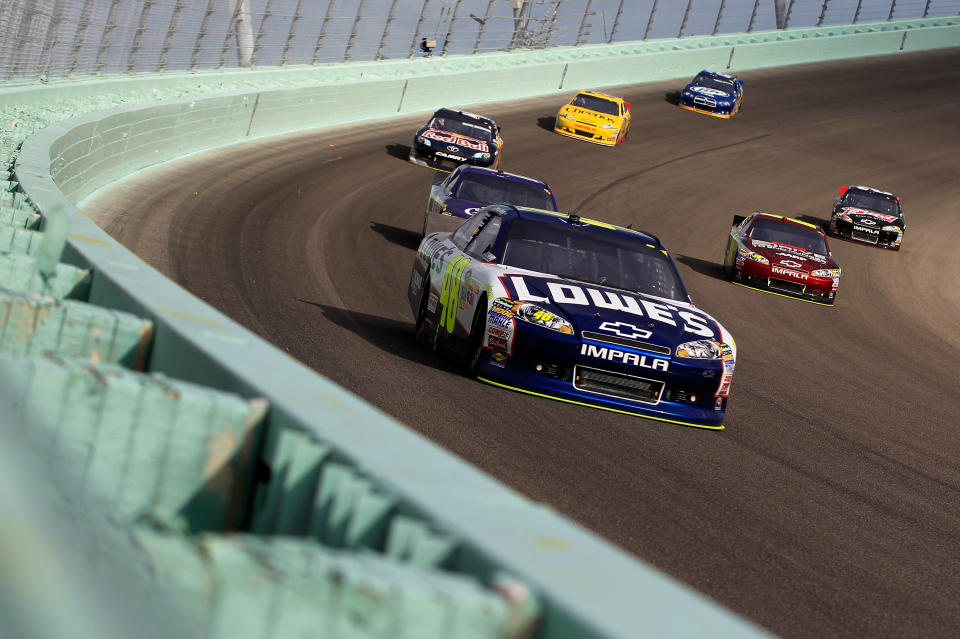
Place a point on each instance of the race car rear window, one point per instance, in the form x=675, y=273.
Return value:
x=789, y=234
x=872, y=202
x=592, y=256
x=492, y=189
x=594, y=103
x=461, y=127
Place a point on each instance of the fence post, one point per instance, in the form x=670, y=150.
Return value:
x=753, y=16
x=386, y=30
x=483, y=27
x=653, y=10
x=716, y=24
x=453, y=19
x=416, y=31
x=80, y=35
x=197, y=46
x=823, y=13
x=138, y=36
x=353, y=33
x=616, y=23
x=782, y=14
x=297, y=16
x=323, y=32
x=50, y=41
x=171, y=31
x=261, y=32
x=105, y=40
x=686, y=14
x=893, y=7
x=583, y=23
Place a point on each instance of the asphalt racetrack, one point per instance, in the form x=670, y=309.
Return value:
x=830, y=505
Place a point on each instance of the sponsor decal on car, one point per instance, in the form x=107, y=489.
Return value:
x=450, y=138
x=633, y=359
x=498, y=359
x=790, y=251
x=851, y=210
x=623, y=329
x=790, y=263
x=864, y=229
x=800, y=275
x=449, y=156
x=709, y=91
x=562, y=293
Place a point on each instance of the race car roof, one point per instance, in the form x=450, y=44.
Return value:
x=790, y=220
x=469, y=168
x=464, y=115
x=553, y=217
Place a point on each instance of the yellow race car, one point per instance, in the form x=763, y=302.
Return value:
x=594, y=117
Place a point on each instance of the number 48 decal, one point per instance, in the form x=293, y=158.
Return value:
x=450, y=292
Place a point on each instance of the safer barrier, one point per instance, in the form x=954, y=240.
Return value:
x=249, y=439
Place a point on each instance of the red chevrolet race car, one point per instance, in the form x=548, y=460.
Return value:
x=783, y=256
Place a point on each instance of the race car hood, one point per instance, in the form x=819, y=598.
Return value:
x=615, y=312
x=463, y=144
x=866, y=217
x=590, y=117
x=790, y=256
x=709, y=92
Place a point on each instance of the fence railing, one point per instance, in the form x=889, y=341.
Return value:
x=57, y=38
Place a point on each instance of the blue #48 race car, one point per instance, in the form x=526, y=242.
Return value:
x=575, y=310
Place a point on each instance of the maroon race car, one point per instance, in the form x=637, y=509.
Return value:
x=781, y=255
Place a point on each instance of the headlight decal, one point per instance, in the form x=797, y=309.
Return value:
x=700, y=349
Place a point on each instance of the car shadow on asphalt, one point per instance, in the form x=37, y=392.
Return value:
x=401, y=237
x=546, y=123
x=673, y=97
x=399, y=151
x=389, y=335
x=704, y=267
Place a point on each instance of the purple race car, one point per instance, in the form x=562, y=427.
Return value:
x=469, y=188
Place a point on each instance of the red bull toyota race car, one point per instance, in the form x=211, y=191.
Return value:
x=572, y=309
x=781, y=255
x=452, y=138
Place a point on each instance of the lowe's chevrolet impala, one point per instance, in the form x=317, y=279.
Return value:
x=572, y=309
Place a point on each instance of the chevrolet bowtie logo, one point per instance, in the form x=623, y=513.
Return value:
x=626, y=330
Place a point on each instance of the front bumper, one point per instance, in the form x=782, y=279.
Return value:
x=444, y=160
x=715, y=110
x=580, y=131
x=553, y=367
x=849, y=231
x=821, y=290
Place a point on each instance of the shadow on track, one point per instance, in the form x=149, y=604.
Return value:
x=673, y=97
x=546, y=123
x=401, y=237
x=389, y=335
x=399, y=151
x=704, y=267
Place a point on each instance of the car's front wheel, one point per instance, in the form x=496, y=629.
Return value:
x=474, y=347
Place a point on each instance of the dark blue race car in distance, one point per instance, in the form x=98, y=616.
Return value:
x=712, y=93
x=469, y=188
x=451, y=138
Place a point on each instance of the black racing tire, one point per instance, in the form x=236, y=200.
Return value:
x=420, y=335
x=474, y=348
x=727, y=268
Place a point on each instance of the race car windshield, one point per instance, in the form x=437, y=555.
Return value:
x=461, y=127
x=594, y=103
x=789, y=234
x=593, y=256
x=872, y=202
x=713, y=83
x=492, y=189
